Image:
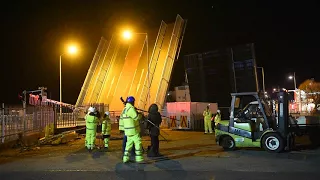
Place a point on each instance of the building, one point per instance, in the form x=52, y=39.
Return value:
x=213, y=75
x=180, y=94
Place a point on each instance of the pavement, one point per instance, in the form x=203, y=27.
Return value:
x=187, y=155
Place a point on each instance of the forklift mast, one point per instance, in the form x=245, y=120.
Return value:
x=283, y=113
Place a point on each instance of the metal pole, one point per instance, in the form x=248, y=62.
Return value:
x=300, y=105
x=24, y=110
x=264, y=88
x=263, y=84
x=234, y=71
x=294, y=80
x=3, y=125
x=148, y=60
x=60, y=91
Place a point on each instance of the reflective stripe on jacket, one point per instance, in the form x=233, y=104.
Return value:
x=91, y=122
x=121, y=128
x=106, y=126
x=131, y=120
x=207, y=115
x=217, y=118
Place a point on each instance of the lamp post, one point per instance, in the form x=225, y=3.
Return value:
x=294, y=80
x=295, y=89
x=128, y=35
x=262, y=71
x=71, y=50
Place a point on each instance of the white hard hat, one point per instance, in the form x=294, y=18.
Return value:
x=218, y=111
x=91, y=109
x=107, y=113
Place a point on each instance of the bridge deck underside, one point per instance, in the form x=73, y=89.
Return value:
x=120, y=69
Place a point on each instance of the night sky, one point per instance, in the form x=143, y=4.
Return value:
x=34, y=33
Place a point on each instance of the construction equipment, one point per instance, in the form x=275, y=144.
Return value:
x=256, y=125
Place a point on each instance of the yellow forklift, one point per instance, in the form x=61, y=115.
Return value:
x=254, y=123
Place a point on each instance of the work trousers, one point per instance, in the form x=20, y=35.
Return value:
x=124, y=142
x=90, y=138
x=106, y=139
x=154, y=149
x=134, y=140
x=207, y=126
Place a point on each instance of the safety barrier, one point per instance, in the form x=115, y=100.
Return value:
x=14, y=122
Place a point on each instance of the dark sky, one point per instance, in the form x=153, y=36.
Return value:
x=34, y=32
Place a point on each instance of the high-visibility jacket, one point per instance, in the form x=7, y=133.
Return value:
x=106, y=126
x=207, y=115
x=217, y=118
x=91, y=122
x=131, y=120
x=121, y=128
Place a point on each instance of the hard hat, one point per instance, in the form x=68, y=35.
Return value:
x=91, y=109
x=130, y=99
x=107, y=113
x=218, y=111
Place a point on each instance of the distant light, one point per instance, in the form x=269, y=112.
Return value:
x=284, y=89
x=274, y=89
x=168, y=94
x=290, y=77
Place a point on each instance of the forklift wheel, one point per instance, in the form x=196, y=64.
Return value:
x=228, y=143
x=273, y=142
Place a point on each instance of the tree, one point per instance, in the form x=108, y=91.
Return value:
x=312, y=90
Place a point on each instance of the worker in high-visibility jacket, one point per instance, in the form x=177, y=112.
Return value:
x=106, y=129
x=217, y=118
x=131, y=127
x=91, y=128
x=207, y=120
x=121, y=129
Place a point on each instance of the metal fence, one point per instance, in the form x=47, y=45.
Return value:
x=42, y=119
x=14, y=121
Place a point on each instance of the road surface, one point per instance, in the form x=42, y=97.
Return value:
x=188, y=155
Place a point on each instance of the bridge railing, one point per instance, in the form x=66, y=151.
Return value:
x=14, y=122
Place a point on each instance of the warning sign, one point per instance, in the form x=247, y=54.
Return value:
x=183, y=121
x=173, y=121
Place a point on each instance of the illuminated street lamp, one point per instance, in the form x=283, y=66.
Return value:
x=71, y=50
x=296, y=90
x=127, y=34
x=294, y=80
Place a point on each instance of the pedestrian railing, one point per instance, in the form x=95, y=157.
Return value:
x=15, y=122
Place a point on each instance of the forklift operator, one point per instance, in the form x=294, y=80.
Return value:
x=252, y=114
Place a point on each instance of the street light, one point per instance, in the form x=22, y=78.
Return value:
x=72, y=49
x=295, y=89
x=127, y=34
x=294, y=80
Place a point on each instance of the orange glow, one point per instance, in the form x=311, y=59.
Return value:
x=127, y=34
